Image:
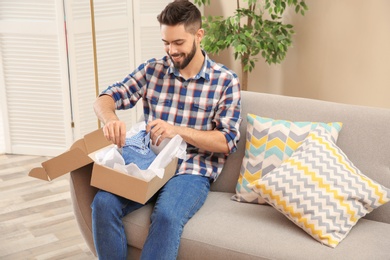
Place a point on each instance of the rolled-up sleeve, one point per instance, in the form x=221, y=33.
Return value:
x=229, y=114
x=127, y=92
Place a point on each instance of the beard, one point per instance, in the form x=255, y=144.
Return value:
x=187, y=58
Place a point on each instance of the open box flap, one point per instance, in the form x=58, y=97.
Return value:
x=75, y=158
x=95, y=141
x=62, y=164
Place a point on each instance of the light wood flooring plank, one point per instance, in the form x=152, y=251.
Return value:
x=36, y=217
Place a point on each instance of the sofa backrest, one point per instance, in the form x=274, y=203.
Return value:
x=364, y=138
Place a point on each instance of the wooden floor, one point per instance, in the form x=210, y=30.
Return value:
x=36, y=217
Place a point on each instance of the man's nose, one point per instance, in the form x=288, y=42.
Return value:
x=172, y=49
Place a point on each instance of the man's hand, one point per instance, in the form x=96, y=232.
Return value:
x=212, y=140
x=115, y=131
x=159, y=130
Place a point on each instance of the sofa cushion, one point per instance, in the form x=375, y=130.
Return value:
x=321, y=190
x=226, y=230
x=268, y=143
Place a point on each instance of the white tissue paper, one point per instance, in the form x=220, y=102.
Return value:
x=166, y=152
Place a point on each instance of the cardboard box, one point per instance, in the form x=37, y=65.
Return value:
x=80, y=154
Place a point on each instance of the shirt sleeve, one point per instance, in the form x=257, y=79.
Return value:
x=127, y=92
x=229, y=114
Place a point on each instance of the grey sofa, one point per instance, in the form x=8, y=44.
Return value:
x=225, y=229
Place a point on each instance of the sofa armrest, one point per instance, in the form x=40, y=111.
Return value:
x=82, y=197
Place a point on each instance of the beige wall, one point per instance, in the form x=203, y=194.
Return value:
x=341, y=53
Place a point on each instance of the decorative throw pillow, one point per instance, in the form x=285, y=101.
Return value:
x=320, y=190
x=268, y=143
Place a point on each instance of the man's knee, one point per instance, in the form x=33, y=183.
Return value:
x=103, y=203
x=166, y=217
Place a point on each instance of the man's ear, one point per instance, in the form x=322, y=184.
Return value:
x=200, y=34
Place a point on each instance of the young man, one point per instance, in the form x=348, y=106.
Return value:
x=183, y=93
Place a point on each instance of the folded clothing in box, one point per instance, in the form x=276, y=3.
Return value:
x=137, y=150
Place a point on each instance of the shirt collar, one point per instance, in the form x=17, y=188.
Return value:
x=203, y=73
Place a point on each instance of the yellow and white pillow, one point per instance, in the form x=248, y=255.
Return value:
x=320, y=189
x=268, y=143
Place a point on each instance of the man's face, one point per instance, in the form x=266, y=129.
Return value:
x=179, y=45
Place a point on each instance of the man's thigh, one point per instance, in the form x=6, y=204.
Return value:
x=182, y=196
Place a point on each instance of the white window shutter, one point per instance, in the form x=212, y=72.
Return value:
x=81, y=70
x=2, y=125
x=47, y=77
x=147, y=38
x=33, y=79
x=115, y=55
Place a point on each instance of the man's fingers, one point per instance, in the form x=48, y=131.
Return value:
x=151, y=125
x=159, y=130
x=158, y=140
x=117, y=136
x=115, y=131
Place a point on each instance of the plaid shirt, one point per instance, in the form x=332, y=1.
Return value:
x=210, y=100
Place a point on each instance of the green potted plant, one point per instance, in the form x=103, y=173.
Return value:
x=256, y=28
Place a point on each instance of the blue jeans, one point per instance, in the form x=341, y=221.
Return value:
x=180, y=198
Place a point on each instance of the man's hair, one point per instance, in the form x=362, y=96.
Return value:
x=181, y=12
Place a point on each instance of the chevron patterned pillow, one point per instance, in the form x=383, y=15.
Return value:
x=268, y=143
x=320, y=190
